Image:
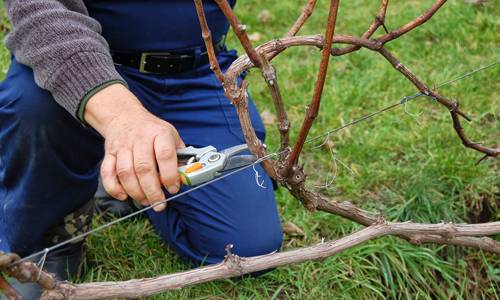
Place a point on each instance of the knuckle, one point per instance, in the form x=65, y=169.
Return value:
x=106, y=172
x=155, y=196
x=113, y=146
x=124, y=172
x=165, y=153
x=143, y=167
x=139, y=197
x=167, y=128
x=153, y=193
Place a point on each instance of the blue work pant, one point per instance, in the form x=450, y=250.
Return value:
x=49, y=166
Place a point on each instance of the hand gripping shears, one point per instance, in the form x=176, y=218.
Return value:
x=204, y=164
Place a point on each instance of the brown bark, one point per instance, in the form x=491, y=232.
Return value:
x=285, y=168
x=451, y=105
x=306, y=13
x=234, y=266
x=254, y=143
x=376, y=23
x=313, y=109
x=412, y=24
x=207, y=38
x=269, y=74
x=240, y=31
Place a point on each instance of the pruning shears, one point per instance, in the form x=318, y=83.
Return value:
x=206, y=163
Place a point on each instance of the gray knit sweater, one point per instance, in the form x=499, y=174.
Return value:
x=63, y=46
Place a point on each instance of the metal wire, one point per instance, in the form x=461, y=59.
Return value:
x=469, y=73
x=85, y=234
x=402, y=101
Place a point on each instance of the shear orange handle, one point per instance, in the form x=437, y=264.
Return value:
x=194, y=167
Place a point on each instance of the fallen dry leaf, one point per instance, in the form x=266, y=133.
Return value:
x=264, y=16
x=293, y=230
x=268, y=118
x=254, y=37
x=329, y=145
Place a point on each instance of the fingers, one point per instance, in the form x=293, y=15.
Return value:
x=179, y=143
x=141, y=158
x=126, y=174
x=166, y=156
x=145, y=169
x=109, y=179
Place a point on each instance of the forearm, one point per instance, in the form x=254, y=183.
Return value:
x=63, y=46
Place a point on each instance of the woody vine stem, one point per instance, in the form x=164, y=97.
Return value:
x=285, y=169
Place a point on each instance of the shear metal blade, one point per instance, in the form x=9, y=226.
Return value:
x=239, y=161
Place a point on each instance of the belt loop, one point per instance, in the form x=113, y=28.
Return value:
x=197, y=57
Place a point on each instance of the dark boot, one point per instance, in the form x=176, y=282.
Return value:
x=64, y=262
x=111, y=208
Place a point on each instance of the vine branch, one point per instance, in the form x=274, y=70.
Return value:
x=306, y=13
x=285, y=169
x=234, y=266
x=313, y=109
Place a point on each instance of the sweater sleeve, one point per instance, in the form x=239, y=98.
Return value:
x=63, y=46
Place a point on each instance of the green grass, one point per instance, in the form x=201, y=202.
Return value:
x=408, y=168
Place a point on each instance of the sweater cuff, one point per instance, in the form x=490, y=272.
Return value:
x=86, y=98
x=79, y=75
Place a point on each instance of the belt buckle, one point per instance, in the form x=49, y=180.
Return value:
x=144, y=56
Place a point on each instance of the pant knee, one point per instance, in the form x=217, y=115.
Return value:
x=241, y=245
x=246, y=242
x=255, y=244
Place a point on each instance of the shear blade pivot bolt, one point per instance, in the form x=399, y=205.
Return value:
x=214, y=157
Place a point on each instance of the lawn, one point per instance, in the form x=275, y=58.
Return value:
x=407, y=163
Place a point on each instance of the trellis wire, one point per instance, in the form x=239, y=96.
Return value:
x=403, y=101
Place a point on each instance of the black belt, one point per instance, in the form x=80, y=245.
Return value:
x=165, y=62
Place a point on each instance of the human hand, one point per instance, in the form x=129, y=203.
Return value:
x=137, y=145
